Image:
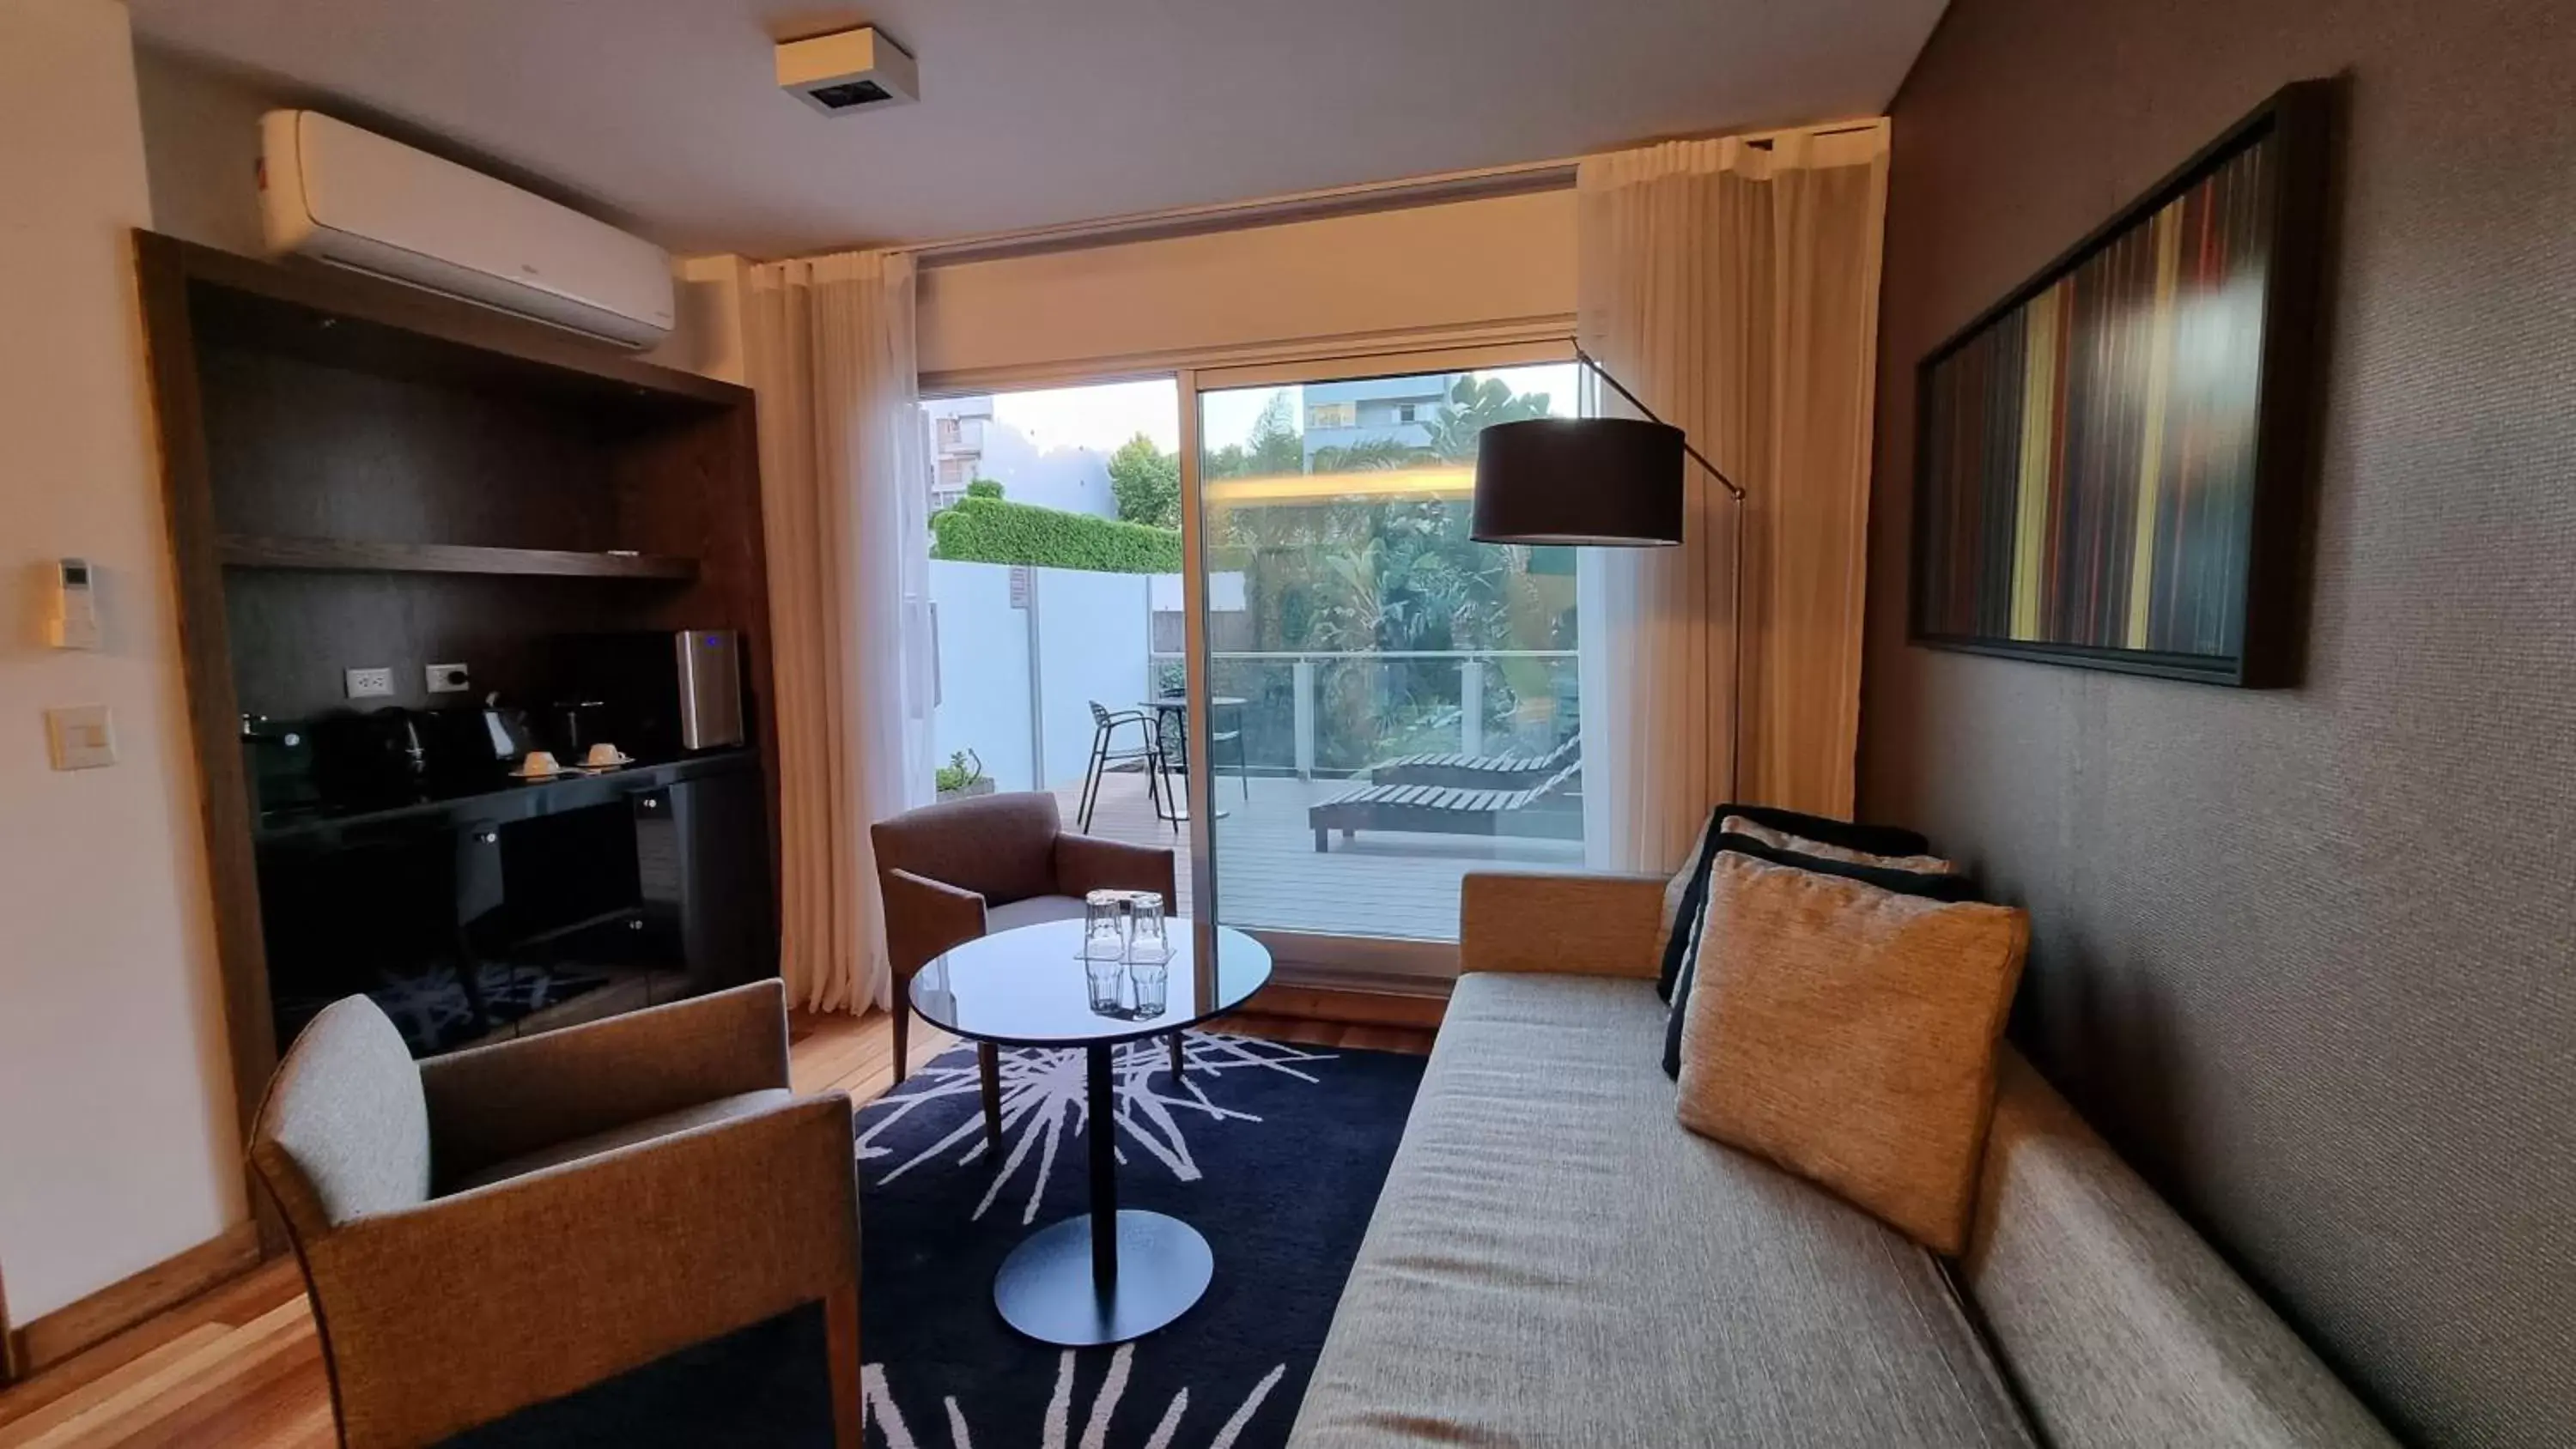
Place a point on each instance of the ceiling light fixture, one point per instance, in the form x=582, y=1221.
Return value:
x=848, y=70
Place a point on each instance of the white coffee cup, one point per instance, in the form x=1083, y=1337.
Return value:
x=540, y=762
x=603, y=755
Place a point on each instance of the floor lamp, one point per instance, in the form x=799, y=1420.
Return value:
x=1605, y=482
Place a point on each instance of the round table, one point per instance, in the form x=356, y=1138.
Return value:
x=1109, y=1275
x=1174, y=709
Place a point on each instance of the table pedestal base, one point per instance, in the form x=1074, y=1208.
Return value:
x=1047, y=1290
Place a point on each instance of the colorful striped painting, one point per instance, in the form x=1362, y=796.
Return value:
x=2089, y=455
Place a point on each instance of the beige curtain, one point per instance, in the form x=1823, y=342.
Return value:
x=845, y=500
x=1733, y=284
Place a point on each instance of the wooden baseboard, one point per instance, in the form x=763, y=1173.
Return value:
x=1349, y=1005
x=111, y=1310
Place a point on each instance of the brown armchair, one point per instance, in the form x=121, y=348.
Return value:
x=954, y=871
x=493, y=1228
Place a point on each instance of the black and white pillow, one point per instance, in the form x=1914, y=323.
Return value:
x=1939, y=887
x=1683, y=904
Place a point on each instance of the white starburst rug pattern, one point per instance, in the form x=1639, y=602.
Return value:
x=1045, y=1108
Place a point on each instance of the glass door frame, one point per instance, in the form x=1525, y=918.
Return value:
x=1311, y=958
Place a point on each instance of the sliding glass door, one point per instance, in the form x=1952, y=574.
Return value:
x=1385, y=704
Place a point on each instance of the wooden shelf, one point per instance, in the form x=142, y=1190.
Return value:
x=239, y=550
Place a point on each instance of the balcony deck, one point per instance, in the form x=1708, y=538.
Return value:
x=1385, y=883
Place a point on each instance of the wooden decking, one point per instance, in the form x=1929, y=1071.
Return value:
x=1270, y=875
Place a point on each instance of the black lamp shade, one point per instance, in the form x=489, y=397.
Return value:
x=1614, y=481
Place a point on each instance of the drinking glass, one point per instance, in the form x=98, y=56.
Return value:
x=1147, y=937
x=1104, y=926
x=1153, y=985
x=1106, y=979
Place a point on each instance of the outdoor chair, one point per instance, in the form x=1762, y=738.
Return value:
x=1106, y=752
x=1545, y=809
x=1225, y=748
x=1478, y=772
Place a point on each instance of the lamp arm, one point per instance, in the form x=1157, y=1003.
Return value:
x=1621, y=388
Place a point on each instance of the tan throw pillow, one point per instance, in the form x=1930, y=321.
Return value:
x=1799, y=844
x=1848, y=1033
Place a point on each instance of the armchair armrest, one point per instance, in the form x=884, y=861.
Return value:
x=465, y=1308
x=924, y=917
x=490, y=1104
x=1579, y=925
x=1086, y=863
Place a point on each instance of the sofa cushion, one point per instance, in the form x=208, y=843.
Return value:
x=1920, y=864
x=643, y=1129
x=1554, y=1261
x=1848, y=1033
x=1939, y=887
x=1683, y=895
x=2119, y=1324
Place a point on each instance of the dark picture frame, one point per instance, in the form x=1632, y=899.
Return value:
x=2109, y=471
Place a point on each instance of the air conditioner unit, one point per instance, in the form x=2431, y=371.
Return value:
x=331, y=191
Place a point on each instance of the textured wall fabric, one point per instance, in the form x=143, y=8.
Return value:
x=1848, y=1033
x=1553, y=1261
x=2348, y=1058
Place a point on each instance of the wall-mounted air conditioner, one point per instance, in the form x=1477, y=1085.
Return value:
x=331, y=191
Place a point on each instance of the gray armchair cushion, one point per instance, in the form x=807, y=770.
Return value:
x=344, y=1131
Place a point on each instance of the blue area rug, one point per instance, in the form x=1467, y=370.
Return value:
x=1274, y=1152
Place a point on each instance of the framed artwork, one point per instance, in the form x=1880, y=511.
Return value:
x=2111, y=464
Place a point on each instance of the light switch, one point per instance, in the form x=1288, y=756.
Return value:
x=83, y=736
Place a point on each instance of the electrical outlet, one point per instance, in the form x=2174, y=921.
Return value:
x=370, y=683
x=446, y=679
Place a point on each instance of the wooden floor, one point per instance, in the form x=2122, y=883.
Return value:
x=1399, y=884
x=240, y=1367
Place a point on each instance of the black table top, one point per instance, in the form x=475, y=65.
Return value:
x=1027, y=987
x=500, y=804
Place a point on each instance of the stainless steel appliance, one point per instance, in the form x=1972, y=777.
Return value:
x=662, y=694
x=710, y=669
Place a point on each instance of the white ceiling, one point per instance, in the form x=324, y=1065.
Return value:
x=663, y=113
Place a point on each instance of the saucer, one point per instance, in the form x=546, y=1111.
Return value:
x=619, y=763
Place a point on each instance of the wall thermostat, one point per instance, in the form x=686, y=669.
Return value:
x=75, y=621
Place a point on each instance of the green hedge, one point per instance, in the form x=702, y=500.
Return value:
x=995, y=530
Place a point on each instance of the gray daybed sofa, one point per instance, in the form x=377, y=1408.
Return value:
x=1556, y=1261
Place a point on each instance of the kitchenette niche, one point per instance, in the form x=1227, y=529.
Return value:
x=424, y=550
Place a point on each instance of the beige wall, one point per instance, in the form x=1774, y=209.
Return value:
x=116, y=1143
x=1344, y=278
x=201, y=150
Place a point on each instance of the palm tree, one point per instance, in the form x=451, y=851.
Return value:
x=1367, y=455
x=1473, y=407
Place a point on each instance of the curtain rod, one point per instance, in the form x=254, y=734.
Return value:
x=1474, y=184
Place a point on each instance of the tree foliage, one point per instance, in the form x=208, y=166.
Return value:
x=983, y=488
x=983, y=529
x=1146, y=481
